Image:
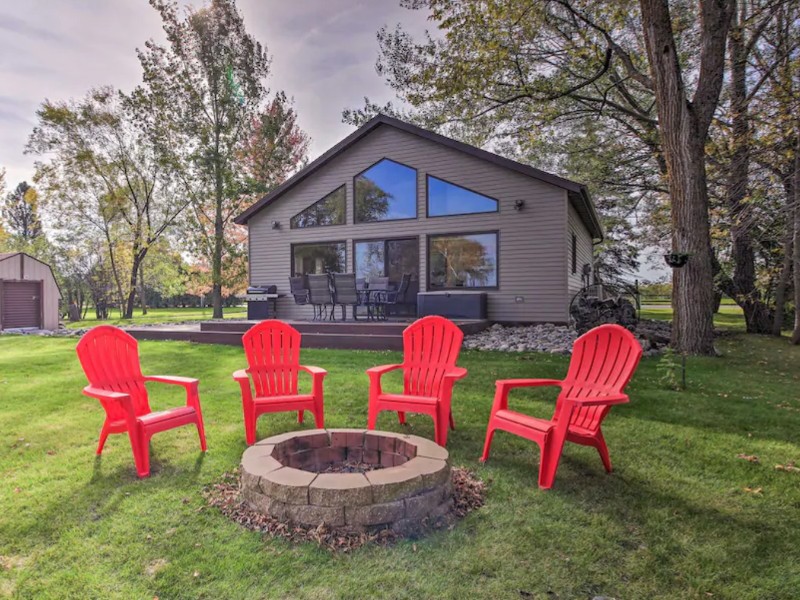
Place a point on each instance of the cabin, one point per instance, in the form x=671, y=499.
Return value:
x=394, y=200
x=29, y=293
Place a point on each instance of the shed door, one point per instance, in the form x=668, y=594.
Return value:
x=21, y=304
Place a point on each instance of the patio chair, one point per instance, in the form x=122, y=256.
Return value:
x=390, y=297
x=110, y=360
x=430, y=351
x=272, y=349
x=603, y=361
x=378, y=287
x=319, y=295
x=345, y=292
x=299, y=290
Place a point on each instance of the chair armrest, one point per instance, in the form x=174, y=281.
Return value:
x=241, y=375
x=99, y=393
x=456, y=373
x=173, y=380
x=313, y=370
x=607, y=400
x=515, y=383
x=380, y=370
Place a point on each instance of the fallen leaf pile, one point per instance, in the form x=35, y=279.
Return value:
x=469, y=493
x=748, y=457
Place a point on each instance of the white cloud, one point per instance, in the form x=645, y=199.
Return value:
x=323, y=53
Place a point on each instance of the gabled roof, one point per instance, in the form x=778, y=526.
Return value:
x=577, y=192
x=5, y=255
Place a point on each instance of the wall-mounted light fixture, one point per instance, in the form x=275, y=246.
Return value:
x=276, y=224
x=519, y=205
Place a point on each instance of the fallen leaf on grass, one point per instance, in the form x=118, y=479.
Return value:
x=155, y=566
x=755, y=491
x=790, y=466
x=748, y=457
x=196, y=574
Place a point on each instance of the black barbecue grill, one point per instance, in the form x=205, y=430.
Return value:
x=258, y=301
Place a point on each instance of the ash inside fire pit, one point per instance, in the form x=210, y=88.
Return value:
x=348, y=479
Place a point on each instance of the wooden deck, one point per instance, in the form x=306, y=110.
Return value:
x=345, y=335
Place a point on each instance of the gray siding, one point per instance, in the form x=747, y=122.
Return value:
x=531, y=242
x=584, y=245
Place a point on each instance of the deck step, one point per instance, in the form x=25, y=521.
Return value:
x=338, y=335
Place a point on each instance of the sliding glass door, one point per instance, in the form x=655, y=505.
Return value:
x=391, y=258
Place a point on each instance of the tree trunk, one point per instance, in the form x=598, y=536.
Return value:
x=796, y=242
x=783, y=278
x=130, y=302
x=744, y=290
x=142, y=296
x=216, y=262
x=683, y=128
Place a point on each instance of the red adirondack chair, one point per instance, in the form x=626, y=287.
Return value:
x=430, y=351
x=110, y=360
x=273, y=352
x=603, y=361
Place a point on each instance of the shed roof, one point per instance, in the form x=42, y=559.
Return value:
x=577, y=192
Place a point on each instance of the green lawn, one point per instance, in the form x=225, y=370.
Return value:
x=158, y=315
x=673, y=521
x=728, y=317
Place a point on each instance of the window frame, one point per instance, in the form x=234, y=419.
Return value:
x=428, y=214
x=428, y=240
x=416, y=193
x=310, y=206
x=293, y=245
x=574, y=254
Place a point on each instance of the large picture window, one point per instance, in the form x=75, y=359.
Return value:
x=326, y=257
x=385, y=192
x=462, y=261
x=328, y=211
x=445, y=198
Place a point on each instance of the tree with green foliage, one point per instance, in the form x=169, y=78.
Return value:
x=103, y=177
x=206, y=92
x=21, y=214
x=523, y=73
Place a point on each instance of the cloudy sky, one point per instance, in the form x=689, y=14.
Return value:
x=323, y=54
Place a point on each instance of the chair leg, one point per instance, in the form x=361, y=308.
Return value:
x=488, y=443
x=548, y=465
x=250, y=426
x=299, y=416
x=440, y=423
x=401, y=416
x=140, y=445
x=602, y=449
x=201, y=432
x=103, y=438
x=372, y=416
x=319, y=418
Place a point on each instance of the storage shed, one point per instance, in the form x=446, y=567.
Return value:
x=29, y=294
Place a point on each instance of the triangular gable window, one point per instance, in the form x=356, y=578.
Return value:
x=328, y=211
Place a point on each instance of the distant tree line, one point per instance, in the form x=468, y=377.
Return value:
x=135, y=192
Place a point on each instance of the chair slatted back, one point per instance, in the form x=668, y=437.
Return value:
x=344, y=288
x=430, y=349
x=603, y=361
x=273, y=354
x=379, y=283
x=319, y=289
x=110, y=360
x=297, y=286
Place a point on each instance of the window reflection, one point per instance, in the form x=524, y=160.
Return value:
x=328, y=211
x=318, y=258
x=446, y=198
x=463, y=261
x=386, y=191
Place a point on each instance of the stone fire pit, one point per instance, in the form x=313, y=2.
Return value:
x=348, y=479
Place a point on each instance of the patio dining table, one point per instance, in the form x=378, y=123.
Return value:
x=369, y=297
